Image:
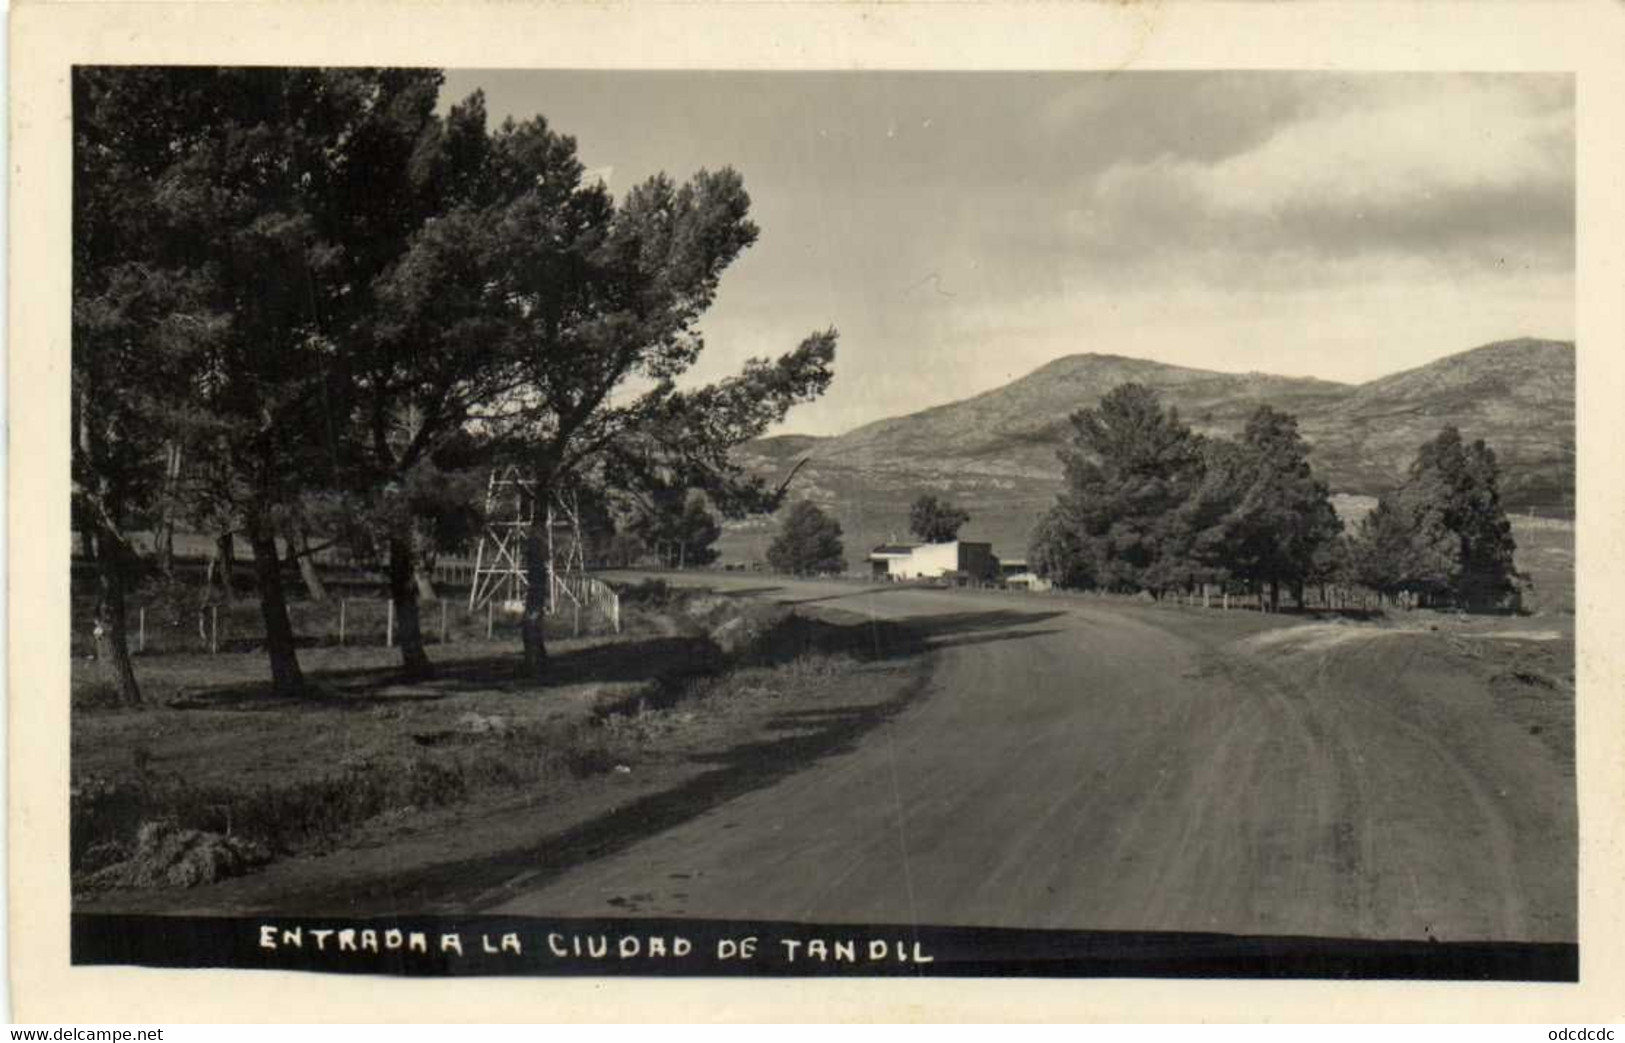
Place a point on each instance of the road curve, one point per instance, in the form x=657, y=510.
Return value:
x=1092, y=765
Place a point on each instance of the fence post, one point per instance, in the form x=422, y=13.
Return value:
x=389, y=624
x=490, y=618
x=142, y=615
x=1227, y=601
x=214, y=629
x=442, y=620
x=343, y=604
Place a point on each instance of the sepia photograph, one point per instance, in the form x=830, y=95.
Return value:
x=803, y=523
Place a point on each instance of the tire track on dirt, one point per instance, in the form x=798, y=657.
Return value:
x=1494, y=824
x=1329, y=847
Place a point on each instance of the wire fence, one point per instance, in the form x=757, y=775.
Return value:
x=159, y=628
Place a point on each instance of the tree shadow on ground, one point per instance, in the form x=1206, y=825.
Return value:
x=361, y=687
x=796, y=741
x=666, y=661
x=483, y=882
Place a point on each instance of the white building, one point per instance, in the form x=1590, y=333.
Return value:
x=958, y=560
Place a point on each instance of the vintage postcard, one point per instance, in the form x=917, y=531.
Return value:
x=542, y=492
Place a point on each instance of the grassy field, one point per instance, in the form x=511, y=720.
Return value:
x=1546, y=557
x=215, y=776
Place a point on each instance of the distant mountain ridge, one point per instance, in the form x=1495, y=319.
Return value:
x=996, y=451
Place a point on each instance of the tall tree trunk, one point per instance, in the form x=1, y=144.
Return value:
x=403, y=592
x=299, y=549
x=423, y=565
x=104, y=545
x=225, y=558
x=530, y=625
x=163, y=546
x=423, y=573
x=163, y=537
x=112, y=639
x=286, y=677
x=1275, y=595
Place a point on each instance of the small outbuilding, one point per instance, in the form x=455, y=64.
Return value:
x=1016, y=575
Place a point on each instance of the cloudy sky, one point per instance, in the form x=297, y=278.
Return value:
x=963, y=229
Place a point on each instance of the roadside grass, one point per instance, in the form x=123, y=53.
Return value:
x=293, y=815
x=213, y=751
x=1546, y=556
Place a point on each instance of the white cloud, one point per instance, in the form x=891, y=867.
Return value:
x=1459, y=136
x=1473, y=170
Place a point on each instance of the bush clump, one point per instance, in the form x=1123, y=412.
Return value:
x=165, y=855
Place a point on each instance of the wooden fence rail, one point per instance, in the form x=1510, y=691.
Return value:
x=587, y=592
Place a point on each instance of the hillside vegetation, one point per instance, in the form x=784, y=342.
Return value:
x=994, y=453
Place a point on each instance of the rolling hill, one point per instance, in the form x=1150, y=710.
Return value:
x=995, y=452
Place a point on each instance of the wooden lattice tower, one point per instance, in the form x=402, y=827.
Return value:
x=499, y=562
x=566, y=557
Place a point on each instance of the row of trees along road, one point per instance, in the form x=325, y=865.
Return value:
x=1442, y=534
x=1148, y=505
x=315, y=288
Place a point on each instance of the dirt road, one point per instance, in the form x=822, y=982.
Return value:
x=1077, y=764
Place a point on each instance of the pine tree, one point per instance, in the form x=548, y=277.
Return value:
x=1128, y=470
x=1149, y=505
x=1283, y=517
x=436, y=354
x=1443, y=533
x=253, y=207
x=680, y=527
x=1056, y=554
x=809, y=542
x=254, y=249
x=597, y=303
x=936, y=521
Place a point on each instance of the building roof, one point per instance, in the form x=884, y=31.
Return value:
x=894, y=550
